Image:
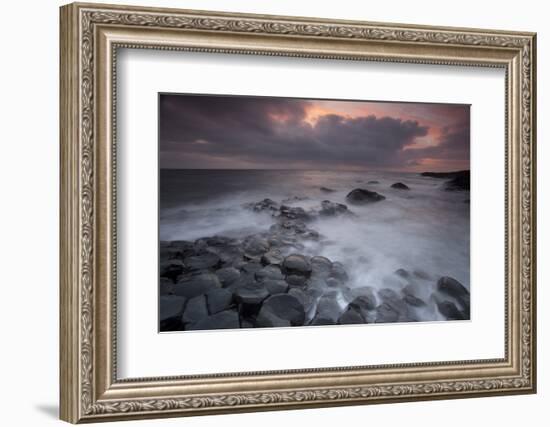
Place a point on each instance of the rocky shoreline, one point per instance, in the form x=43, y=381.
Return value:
x=271, y=278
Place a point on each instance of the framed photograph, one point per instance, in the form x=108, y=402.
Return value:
x=265, y=212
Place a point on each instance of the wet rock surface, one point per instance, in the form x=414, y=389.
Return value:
x=400, y=186
x=361, y=196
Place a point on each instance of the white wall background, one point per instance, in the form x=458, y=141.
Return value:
x=29, y=170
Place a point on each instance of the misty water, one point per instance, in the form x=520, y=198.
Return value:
x=425, y=230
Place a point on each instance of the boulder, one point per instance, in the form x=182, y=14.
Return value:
x=422, y=275
x=319, y=320
x=360, y=196
x=450, y=311
x=320, y=265
x=364, y=303
x=351, y=316
x=329, y=208
x=386, y=314
x=459, y=183
x=452, y=287
x=400, y=186
x=195, y=310
x=296, y=280
x=204, y=261
x=327, y=190
x=228, y=319
x=275, y=286
x=218, y=300
x=166, y=286
x=299, y=213
x=194, y=285
x=337, y=271
x=367, y=295
x=272, y=272
x=328, y=307
x=413, y=300
x=401, y=272
x=281, y=310
x=170, y=306
x=332, y=282
x=172, y=268
x=265, y=205
x=296, y=264
x=373, y=182
x=272, y=257
x=228, y=275
x=255, y=246
x=250, y=298
x=251, y=267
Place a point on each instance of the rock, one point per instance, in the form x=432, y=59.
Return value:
x=272, y=257
x=365, y=292
x=170, y=306
x=228, y=275
x=166, y=286
x=400, y=186
x=327, y=190
x=275, y=286
x=289, y=226
x=307, y=299
x=195, y=310
x=299, y=213
x=228, y=319
x=373, y=182
x=338, y=272
x=329, y=208
x=255, y=246
x=251, y=267
x=386, y=314
x=421, y=274
x=351, y=316
x=332, y=282
x=360, y=196
x=296, y=264
x=320, y=265
x=250, y=298
x=296, y=280
x=458, y=181
x=171, y=269
x=401, y=272
x=364, y=302
x=218, y=300
x=328, y=307
x=192, y=286
x=293, y=199
x=266, y=205
x=414, y=301
x=281, y=310
x=393, y=308
x=272, y=272
x=319, y=320
x=202, y=262
x=453, y=288
x=450, y=311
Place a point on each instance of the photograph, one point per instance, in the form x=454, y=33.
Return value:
x=279, y=212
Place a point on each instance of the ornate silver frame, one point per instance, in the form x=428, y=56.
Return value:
x=90, y=36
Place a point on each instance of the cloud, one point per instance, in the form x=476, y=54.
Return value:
x=248, y=132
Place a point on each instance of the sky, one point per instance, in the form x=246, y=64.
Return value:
x=237, y=132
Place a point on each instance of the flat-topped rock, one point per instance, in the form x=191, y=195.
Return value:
x=361, y=196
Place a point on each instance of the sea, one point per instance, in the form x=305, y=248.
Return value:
x=425, y=229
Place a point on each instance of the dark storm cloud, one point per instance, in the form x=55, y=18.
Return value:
x=454, y=143
x=235, y=132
